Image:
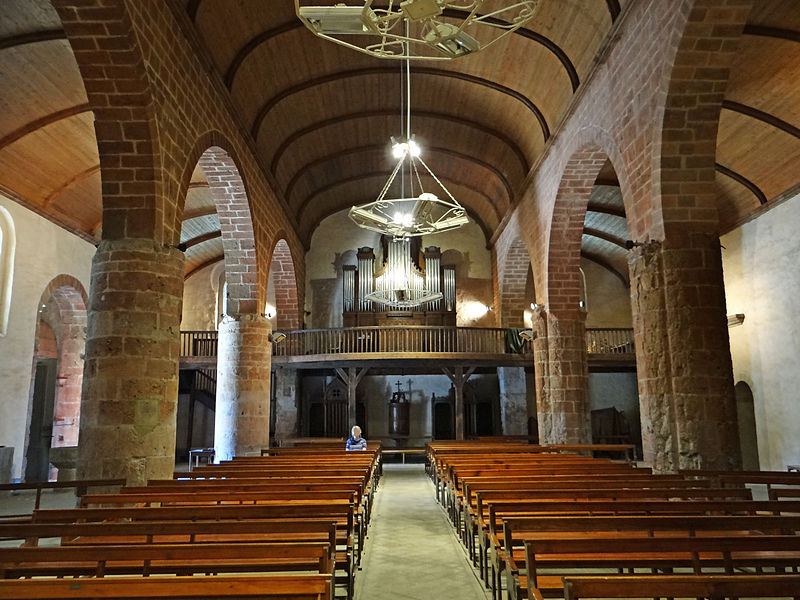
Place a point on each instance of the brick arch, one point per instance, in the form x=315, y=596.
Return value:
x=247, y=284
x=105, y=49
x=63, y=308
x=513, y=270
x=566, y=229
x=685, y=152
x=286, y=288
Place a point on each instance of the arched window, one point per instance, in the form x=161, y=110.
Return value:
x=8, y=243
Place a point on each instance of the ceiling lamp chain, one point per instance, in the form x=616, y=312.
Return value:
x=411, y=214
x=416, y=29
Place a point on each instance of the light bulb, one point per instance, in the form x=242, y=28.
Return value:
x=398, y=218
x=399, y=150
x=414, y=148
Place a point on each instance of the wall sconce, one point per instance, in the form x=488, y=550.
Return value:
x=270, y=311
x=734, y=320
x=534, y=306
x=276, y=337
x=630, y=244
x=528, y=335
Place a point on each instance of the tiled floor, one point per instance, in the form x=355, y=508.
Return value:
x=412, y=551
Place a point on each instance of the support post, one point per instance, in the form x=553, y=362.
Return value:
x=351, y=377
x=459, y=377
x=241, y=421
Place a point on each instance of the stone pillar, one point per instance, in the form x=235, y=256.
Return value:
x=244, y=356
x=562, y=391
x=130, y=384
x=688, y=408
x=286, y=398
x=513, y=400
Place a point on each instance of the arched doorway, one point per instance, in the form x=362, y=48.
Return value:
x=746, y=418
x=57, y=379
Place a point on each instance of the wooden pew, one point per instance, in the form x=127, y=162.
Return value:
x=172, y=559
x=263, y=587
x=517, y=531
x=693, y=553
x=493, y=553
x=340, y=512
x=681, y=586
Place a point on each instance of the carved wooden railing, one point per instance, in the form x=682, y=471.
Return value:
x=412, y=340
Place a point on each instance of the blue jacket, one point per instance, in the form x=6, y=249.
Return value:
x=356, y=444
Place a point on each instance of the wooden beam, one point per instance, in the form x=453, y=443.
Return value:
x=70, y=182
x=351, y=377
x=211, y=235
x=772, y=32
x=604, y=235
x=606, y=210
x=459, y=377
x=599, y=260
x=382, y=148
x=317, y=125
x=326, y=188
x=613, y=9
x=33, y=37
x=203, y=265
x=392, y=71
x=742, y=180
x=44, y=121
x=199, y=212
x=266, y=36
x=762, y=116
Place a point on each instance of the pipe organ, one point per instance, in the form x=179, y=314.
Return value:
x=399, y=282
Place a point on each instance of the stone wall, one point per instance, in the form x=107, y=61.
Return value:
x=44, y=251
x=762, y=281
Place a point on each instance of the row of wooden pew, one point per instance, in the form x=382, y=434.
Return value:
x=290, y=524
x=568, y=525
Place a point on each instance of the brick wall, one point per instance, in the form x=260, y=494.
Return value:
x=157, y=110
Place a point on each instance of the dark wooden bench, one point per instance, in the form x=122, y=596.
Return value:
x=517, y=531
x=261, y=587
x=171, y=559
x=681, y=586
x=696, y=554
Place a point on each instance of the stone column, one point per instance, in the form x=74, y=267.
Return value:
x=130, y=384
x=244, y=356
x=563, y=401
x=683, y=355
x=513, y=400
x=286, y=398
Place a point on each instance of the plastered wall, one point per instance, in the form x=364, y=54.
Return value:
x=43, y=251
x=200, y=299
x=608, y=301
x=762, y=280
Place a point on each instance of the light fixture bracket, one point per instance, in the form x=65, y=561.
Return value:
x=415, y=29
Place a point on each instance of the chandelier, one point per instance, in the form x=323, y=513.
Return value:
x=400, y=284
x=416, y=29
x=415, y=210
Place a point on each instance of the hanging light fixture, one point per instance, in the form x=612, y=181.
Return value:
x=416, y=29
x=415, y=210
x=401, y=284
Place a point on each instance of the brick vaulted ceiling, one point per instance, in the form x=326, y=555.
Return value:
x=321, y=116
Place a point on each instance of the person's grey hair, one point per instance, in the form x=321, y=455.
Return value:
x=354, y=429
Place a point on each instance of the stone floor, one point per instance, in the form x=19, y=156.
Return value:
x=412, y=551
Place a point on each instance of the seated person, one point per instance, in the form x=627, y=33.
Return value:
x=356, y=442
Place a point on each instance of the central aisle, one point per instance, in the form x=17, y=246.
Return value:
x=412, y=550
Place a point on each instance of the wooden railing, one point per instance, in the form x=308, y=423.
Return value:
x=419, y=339
x=609, y=341
x=414, y=340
